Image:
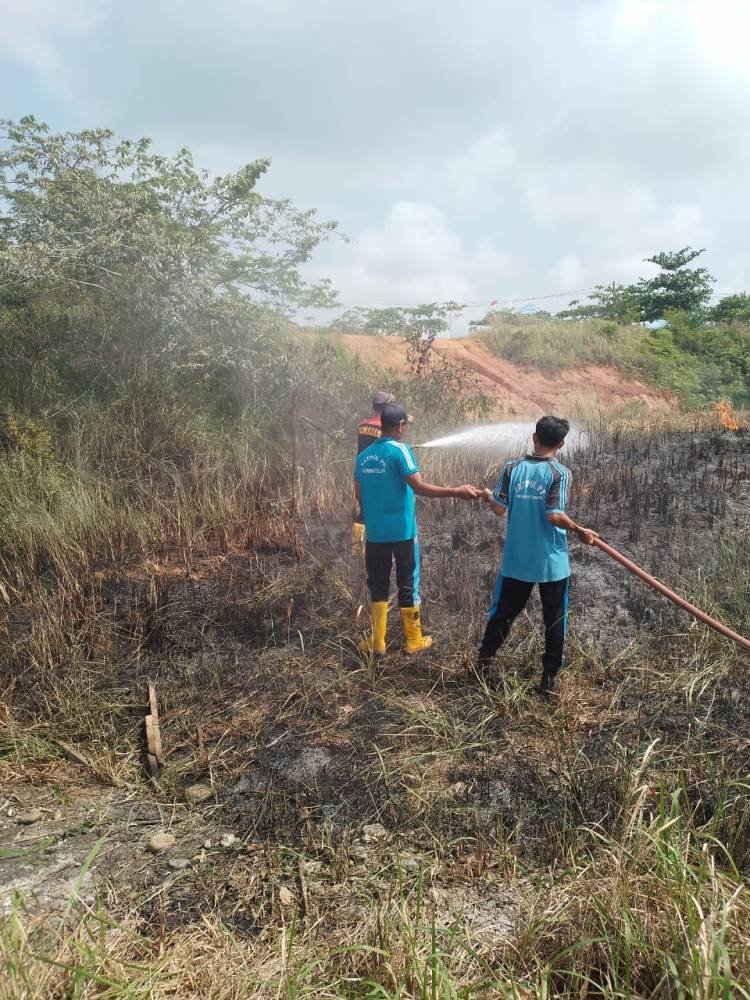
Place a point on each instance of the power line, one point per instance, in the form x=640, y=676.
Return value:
x=471, y=304
x=553, y=295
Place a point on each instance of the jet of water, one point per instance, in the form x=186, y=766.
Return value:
x=508, y=435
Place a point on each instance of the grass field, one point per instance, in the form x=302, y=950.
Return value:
x=399, y=831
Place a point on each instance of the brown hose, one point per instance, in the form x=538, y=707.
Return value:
x=675, y=598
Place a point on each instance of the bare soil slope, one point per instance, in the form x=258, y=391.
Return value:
x=524, y=392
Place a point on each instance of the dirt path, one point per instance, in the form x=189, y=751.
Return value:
x=523, y=392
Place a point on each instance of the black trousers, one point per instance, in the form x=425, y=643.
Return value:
x=378, y=559
x=509, y=601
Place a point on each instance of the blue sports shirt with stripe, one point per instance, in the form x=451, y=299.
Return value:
x=387, y=499
x=531, y=488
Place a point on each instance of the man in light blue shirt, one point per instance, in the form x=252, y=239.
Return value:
x=386, y=478
x=534, y=493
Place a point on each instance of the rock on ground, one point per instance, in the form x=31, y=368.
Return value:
x=195, y=794
x=161, y=842
x=27, y=818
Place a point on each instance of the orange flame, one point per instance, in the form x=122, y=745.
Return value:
x=725, y=413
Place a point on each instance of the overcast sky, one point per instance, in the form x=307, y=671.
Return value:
x=471, y=151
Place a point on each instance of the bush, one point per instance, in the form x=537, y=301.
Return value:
x=25, y=436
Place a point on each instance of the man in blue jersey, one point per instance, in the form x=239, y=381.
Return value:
x=386, y=478
x=534, y=492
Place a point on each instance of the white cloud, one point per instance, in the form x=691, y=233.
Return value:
x=517, y=148
x=734, y=274
x=35, y=33
x=415, y=256
x=633, y=18
x=716, y=30
x=722, y=28
x=568, y=273
x=415, y=239
x=473, y=177
x=614, y=220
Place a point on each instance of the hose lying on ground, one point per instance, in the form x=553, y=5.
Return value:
x=670, y=594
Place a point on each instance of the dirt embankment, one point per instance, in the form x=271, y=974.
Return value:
x=523, y=392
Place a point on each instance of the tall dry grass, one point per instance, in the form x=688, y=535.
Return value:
x=620, y=834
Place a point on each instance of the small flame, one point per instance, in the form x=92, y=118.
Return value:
x=726, y=415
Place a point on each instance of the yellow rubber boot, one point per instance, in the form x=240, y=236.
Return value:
x=358, y=538
x=375, y=644
x=415, y=641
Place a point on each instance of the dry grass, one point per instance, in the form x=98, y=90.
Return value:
x=597, y=846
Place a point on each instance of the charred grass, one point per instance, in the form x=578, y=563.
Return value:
x=402, y=830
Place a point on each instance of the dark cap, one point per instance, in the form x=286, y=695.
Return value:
x=392, y=415
x=381, y=399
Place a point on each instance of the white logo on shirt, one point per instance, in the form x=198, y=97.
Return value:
x=372, y=465
x=530, y=489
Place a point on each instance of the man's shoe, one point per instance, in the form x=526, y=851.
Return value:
x=548, y=684
x=374, y=644
x=482, y=669
x=414, y=641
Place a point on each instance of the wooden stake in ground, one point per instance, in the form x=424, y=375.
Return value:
x=154, y=753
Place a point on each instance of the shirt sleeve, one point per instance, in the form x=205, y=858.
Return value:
x=405, y=459
x=557, y=495
x=502, y=490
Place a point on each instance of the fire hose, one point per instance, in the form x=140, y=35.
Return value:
x=670, y=594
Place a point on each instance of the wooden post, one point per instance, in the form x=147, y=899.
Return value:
x=154, y=752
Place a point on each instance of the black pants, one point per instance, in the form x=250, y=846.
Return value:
x=378, y=559
x=509, y=601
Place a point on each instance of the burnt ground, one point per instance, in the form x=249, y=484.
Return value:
x=326, y=774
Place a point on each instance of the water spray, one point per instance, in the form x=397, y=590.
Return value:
x=663, y=589
x=510, y=434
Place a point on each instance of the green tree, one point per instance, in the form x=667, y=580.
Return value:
x=676, y=287
x=611, y=302
x=388, y=322
x=418, y=325
x=732, y=308
x=119, y=265
x=421, y=322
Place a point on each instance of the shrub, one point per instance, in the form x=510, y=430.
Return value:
x=25, y=436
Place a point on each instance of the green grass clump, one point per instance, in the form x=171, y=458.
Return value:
x=555, y=344
x=699, y=362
